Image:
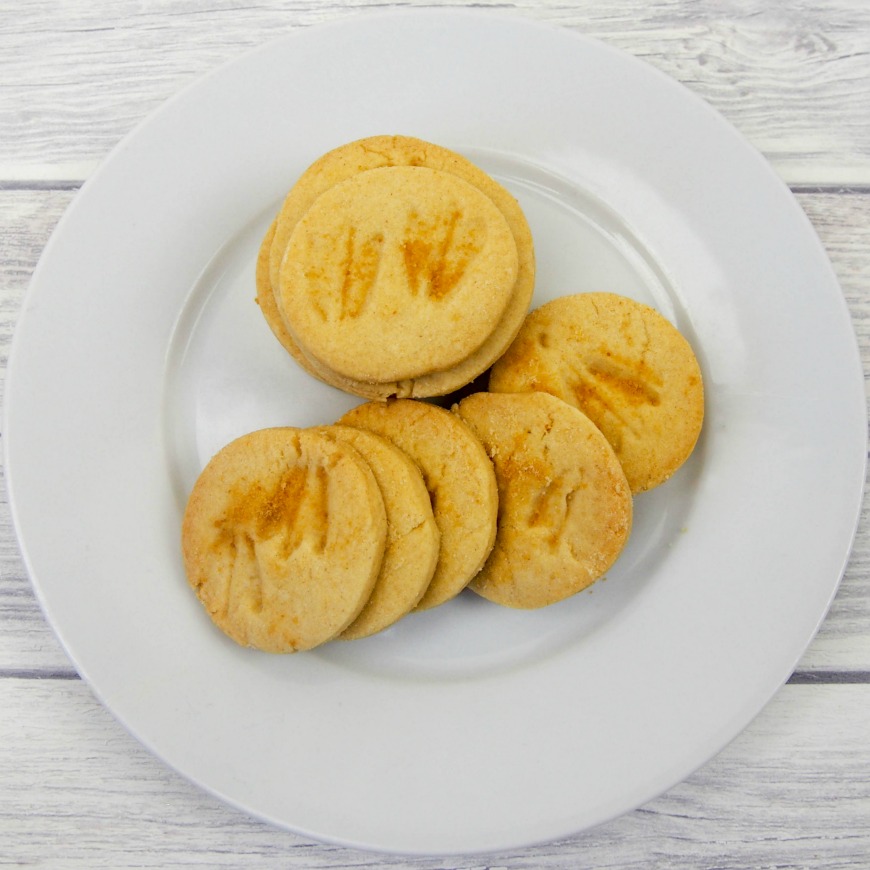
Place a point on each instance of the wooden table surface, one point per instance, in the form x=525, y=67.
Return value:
x=792, y=791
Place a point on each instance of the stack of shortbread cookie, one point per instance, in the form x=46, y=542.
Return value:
x=397, y=269
x=293, y=537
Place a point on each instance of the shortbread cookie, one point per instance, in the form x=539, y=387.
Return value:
x=269, y=307
x=395, y=273
x=378, y=151
x=283, y=538
x=565, y=507
x=460, y=480
x=413, y=539
x=625, y=366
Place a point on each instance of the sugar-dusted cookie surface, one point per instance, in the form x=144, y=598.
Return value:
x=283, y=538
x=396, y=272
x=413, y=540
x=379, y=151
x=625, y=366
x=459, y=477
x=565, y=507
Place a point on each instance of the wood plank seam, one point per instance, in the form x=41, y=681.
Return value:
x=798, y=678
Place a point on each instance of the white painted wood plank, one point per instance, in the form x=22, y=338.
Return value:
x=843, y=224
x=794, y=78
x=26, y=220
x=76, y=791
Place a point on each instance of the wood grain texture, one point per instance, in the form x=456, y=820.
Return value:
x=26, y=221
x=794, y=78
x=842, y=221
x=792, y=791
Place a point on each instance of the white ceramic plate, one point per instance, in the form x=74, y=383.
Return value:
x=140, y=352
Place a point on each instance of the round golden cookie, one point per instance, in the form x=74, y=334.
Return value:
x=413, y=539
x=395, y=273
x=625, y=366
x=269, y=307
x=460, y=480
x=283, y=537
x=565, y=507
x=378, y=151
